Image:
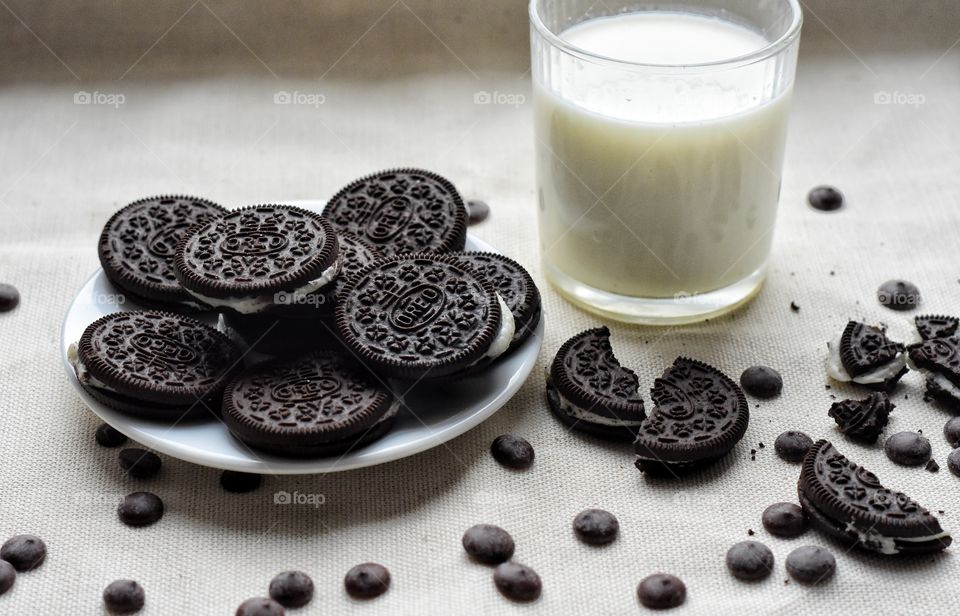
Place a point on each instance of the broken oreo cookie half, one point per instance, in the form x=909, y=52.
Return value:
x=848, y=502
x=699, y=414
x=936, y=326
x=590, y=391
x=939, y=360
x=864, y=355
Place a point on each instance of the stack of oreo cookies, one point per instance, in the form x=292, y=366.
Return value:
x=316, y=314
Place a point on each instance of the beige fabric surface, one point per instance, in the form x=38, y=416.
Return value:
x=64, y=168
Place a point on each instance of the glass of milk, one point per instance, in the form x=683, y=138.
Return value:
x=660, y=132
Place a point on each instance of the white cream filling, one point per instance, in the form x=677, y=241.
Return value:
x=888, y=545
x=83, y=375
x=837, y=372
x=508, y=326
x=582, y=414
x=259, y=303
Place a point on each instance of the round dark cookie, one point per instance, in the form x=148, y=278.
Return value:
x=596, y=526
x=317, y=404
x=140, y=509
x=512, y=451
x=291, y=588
x=699, y=415
x=848, y=502
x=936, y=326
x=262, y=252
x=418, y=316
x=517, y=582
x=785, y=520
x=366, y=581
x=401, y=211
x=515, y=286
x=24, y=552
x=750, y=561
x=124, y=597
x=488, y=544
x=138, y=244
x=661, y=591
x=356, y=255
x=155, y=363
x=907, y=449
x=792, y=445
x=761, y=381
x=811, y=564
x=898, y=295
x=586, y=378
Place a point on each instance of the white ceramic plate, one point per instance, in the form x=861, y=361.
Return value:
x=432, y=415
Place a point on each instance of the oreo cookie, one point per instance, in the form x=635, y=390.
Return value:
x=936, y=326
x=401, y=211
x=156, y=365
x=317, y=405
x=423, y=316
x=590, y=391
x=864, y=355
x=514, y=284
x=263, y=258
x=138, y=244
x=848, y=502
x=863, y=420
x=939, y=360
x=699, y=414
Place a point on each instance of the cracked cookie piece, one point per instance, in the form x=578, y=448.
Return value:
x=939, y=360
x=864, y=355
x=590, y=391
x=936, y=326
x=699, y=414
x=863, y=420
x=848, y=502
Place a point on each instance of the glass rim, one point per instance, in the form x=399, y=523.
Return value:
x=765, y=52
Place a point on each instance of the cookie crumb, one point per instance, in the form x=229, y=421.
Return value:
x=794, y=307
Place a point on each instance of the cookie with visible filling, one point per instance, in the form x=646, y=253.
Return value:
x=590, y=391
x=848, y=502
x=260, y=259
x=699, y=414
x=156, y=365
x=865, y=356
